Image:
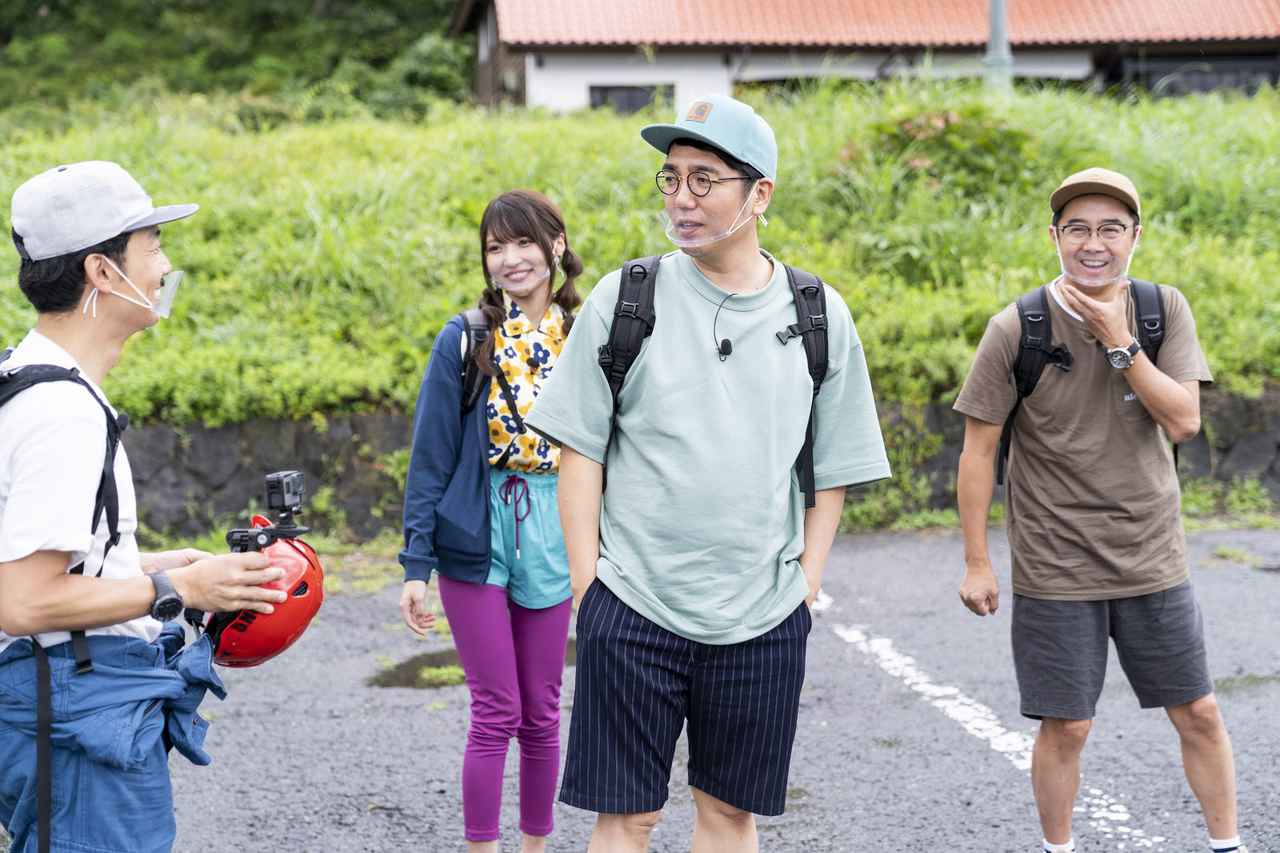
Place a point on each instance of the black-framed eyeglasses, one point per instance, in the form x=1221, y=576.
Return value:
x=700, y=183
x=1078, y=232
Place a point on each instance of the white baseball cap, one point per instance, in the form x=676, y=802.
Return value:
x=70, y=208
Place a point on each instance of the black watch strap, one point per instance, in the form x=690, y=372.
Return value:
x=167, y=604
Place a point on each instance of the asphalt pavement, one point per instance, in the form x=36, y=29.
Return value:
x=909, y=737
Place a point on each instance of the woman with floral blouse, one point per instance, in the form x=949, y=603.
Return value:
x=480, y=510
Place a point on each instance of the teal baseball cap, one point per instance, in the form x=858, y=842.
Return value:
x=724, y=123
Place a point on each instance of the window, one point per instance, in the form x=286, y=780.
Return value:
x=629, y=99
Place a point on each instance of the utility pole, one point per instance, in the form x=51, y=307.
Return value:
x=999, y=59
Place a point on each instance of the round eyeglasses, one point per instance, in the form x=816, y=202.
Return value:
x=700, y=183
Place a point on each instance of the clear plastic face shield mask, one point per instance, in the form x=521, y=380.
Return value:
x=520, y=286
x=162, y=306
x=672, y=230
x=1066, y=276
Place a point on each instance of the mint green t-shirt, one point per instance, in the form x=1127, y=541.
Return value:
x=702, y=522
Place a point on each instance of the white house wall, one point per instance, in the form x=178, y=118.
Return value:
x=561, y=79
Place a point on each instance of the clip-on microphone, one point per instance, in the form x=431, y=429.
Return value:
x=724, y=346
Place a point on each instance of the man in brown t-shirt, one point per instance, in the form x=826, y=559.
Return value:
x=1092, y=503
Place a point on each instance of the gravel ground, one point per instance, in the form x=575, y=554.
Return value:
x=309, y=757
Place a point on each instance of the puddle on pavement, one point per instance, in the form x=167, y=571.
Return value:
x=437, y=669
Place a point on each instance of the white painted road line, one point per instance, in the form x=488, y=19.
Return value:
x=1107, y=815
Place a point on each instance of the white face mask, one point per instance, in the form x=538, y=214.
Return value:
x=669, y=225
x=1123, y=277
x=161, y=307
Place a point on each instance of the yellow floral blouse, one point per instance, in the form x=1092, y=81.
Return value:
x=525, y=354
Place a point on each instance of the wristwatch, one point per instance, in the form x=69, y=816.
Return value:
x=168, y=604
x=1121, y=358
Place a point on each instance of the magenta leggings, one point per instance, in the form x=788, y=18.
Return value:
x=513, y=658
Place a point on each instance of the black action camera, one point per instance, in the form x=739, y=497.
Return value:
x=285, y=491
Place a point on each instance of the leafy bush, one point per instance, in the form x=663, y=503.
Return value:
x=326, y=256
x=57, y=51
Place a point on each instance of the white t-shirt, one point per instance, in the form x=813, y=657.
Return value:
x=52, y=440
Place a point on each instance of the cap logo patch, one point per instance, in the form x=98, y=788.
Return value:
x=699, y=111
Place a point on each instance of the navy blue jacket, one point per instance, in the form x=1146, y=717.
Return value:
x=446, y=495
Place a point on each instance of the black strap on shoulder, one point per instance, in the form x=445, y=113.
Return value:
x=107, y=499
x=633, y=321
x=1148, y=307
x=508, y=397
x=811, y=327
x=44, y=747
x=1035, y=352
x=475, y=329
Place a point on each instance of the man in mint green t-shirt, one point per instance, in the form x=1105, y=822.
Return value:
x=695, y=570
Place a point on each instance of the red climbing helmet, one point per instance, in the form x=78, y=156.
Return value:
x=245, y=637
x=248, y=638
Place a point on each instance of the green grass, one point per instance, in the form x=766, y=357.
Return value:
x=327, y=255
x=1240, y=683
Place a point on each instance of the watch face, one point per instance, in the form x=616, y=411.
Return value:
x=167, y=609
x=1119, y=358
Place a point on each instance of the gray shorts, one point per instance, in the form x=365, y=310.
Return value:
x=1060, y=651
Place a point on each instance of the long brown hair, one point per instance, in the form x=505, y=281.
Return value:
x=531, y=215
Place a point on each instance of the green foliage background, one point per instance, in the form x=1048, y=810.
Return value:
x=329, y=251
x=389, y=54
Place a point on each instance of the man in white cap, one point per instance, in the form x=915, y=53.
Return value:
x=1082, y=384
x=726, y=396
x=91, y=687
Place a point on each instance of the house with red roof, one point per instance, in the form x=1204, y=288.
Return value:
x=569, y=54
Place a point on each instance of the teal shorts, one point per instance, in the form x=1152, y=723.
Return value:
x=526, y=545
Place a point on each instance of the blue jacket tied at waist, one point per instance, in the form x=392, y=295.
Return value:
x=139, y=699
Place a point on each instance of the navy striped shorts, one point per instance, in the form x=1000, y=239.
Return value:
x=637, y=684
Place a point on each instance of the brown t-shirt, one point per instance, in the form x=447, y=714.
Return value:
x=1092, y=497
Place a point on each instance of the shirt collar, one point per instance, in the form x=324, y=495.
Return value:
x=515, y=322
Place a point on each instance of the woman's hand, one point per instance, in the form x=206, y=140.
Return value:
x=413, y=608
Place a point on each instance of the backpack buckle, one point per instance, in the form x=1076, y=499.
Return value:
x=792, y=331
x=817, y=321
x=629, y=309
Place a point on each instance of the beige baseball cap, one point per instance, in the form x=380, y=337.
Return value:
x=1096, y=181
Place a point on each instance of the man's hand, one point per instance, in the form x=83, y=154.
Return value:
x=1108, y=321
x=980, y=591
x=413, y=608
x=228, y=583
x=163, y=560
x=579, y=591
x=814, y=581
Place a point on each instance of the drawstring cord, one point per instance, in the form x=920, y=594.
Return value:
x=513, y=490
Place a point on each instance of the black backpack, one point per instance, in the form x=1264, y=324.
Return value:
x=475, y=328
x=633, y=321
x=107, y=500
x=1035, y=349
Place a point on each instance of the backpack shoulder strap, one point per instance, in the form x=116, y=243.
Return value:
x=811, y=327
x=107, y=499
x=1035, y=351
x=633, y=321
x=1148, y=304
x=475, y=331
